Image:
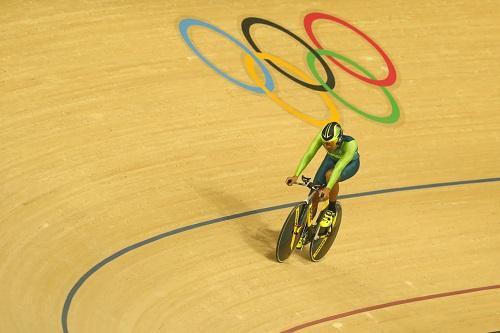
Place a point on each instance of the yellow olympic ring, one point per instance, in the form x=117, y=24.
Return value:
x=250, y=68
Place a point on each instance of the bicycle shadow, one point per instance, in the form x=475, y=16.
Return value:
x=255, y=233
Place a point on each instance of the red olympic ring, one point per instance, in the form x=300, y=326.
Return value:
x=391, y=76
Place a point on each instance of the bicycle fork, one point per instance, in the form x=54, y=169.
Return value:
x=300, y=226
x=296, y=227
x=304, y=235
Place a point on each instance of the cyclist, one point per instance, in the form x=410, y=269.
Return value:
x=341, y=163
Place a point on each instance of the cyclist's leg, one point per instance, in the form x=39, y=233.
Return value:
x=349, y=171
x=320, y=179
x=315, y=202
x=335, y=190
x=327, y=164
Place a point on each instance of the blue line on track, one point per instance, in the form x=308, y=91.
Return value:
x=86, y=276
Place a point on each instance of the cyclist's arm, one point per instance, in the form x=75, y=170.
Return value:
x=308, y=156
x=351, y=148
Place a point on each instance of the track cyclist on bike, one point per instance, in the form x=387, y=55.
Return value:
x=341, y=163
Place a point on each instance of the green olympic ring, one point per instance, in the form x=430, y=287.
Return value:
x=390, y=119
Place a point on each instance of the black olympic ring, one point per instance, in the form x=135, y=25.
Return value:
x=245, y=27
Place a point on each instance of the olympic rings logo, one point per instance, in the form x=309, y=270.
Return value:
x=324, y=87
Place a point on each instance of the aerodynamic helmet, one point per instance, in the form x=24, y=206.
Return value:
x=332, y=132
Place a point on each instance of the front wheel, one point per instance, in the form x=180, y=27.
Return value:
x=290, y=232
x=321, y=243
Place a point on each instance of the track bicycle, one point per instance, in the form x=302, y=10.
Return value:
x=300, y=228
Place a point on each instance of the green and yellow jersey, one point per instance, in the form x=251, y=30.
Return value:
x=347, y=152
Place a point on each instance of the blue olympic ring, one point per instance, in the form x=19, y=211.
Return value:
x=186, y=23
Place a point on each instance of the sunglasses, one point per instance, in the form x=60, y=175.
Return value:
x=331, y=143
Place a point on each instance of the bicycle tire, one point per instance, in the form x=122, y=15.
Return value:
x=286, y=243
x=320, y=247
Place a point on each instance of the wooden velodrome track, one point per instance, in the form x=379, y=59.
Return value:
x=114, y=132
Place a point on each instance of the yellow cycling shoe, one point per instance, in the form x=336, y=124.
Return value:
x=328, y=219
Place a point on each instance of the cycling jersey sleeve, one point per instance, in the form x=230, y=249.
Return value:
x=308, y=156
x=350, y=149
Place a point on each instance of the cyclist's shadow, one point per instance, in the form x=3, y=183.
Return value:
x=253, y=229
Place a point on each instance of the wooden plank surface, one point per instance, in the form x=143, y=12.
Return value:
x=113, y=131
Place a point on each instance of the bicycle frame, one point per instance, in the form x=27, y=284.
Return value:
x=299, y=227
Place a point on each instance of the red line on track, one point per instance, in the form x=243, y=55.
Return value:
x=386, y=305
